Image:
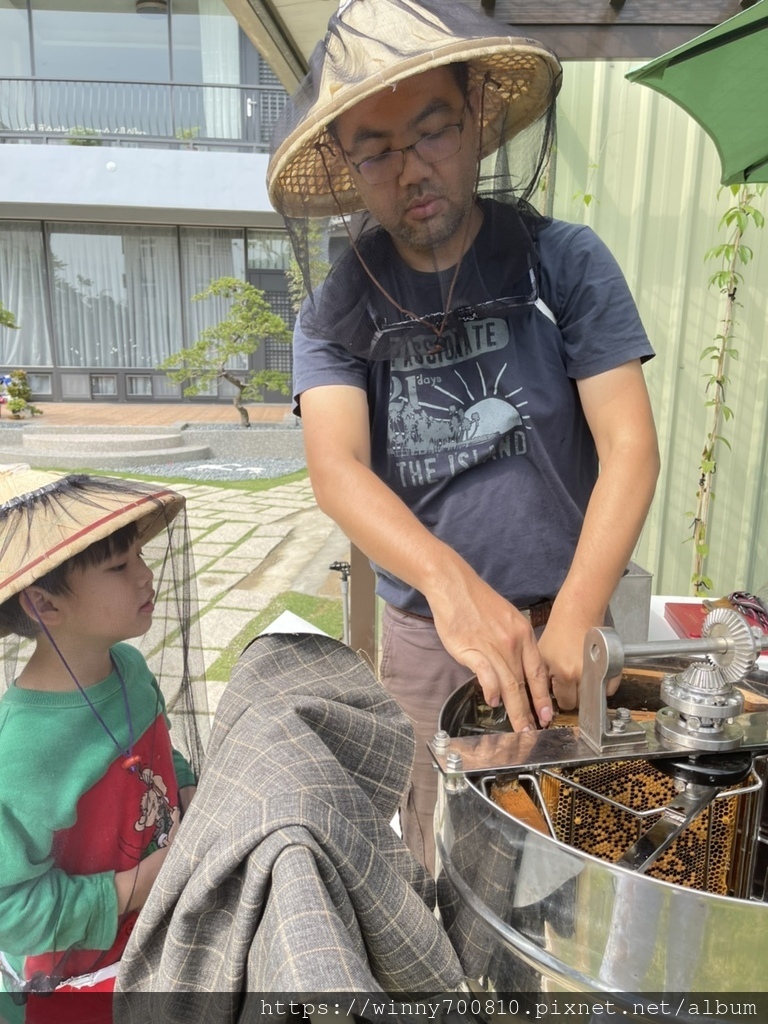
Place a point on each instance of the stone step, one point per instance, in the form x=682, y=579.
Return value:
x=94, y=458
x=43, y=443
x=41, y=427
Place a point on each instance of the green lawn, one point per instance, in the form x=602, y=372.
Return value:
x=235, y=485
x=323, y=612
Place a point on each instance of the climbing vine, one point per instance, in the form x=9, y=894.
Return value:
x=731, y=255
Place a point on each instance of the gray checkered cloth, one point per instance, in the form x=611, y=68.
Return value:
x=286, y=875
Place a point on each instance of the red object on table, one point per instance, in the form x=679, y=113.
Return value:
x=685, y=617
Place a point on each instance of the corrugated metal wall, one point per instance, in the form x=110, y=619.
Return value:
x=654, y=175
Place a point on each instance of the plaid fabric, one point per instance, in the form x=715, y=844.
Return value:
x=286, y=875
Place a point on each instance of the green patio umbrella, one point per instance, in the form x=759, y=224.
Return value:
x=721, y=79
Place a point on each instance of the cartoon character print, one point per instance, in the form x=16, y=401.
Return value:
x=156, y=812
x=448, y=410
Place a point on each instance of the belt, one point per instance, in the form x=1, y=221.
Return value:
x=537, y=613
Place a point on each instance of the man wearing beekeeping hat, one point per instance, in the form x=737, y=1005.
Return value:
x=469, y=373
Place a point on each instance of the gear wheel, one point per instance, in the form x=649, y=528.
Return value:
x=733, y=664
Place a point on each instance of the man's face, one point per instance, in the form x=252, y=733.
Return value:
x=428, y=208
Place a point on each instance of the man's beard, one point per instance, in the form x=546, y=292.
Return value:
x=428, y=236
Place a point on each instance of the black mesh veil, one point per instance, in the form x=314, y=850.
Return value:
x=513, y=83
x=93, y=765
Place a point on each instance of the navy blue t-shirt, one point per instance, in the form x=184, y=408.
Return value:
x=484, y=439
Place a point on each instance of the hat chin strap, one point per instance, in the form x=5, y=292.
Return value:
x=130, y=761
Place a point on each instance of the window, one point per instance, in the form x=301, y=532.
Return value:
x=99, y=40
x=278, y=356
x=106, y=67
x=207, y=254
x=103, y=385
x=268, y=250
x=116, y=296
x=40, y=383
x=23, y=287
x=139, y=387
x=15, y=58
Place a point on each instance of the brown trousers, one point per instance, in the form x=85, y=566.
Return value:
x=419, y=673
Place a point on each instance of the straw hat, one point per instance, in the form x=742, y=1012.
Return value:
x=46, y=518
x=372, y=44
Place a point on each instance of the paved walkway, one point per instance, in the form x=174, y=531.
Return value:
x=251, y=547
x=248, y=547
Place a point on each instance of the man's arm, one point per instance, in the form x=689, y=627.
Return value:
x=478, y=628
x=618, y=412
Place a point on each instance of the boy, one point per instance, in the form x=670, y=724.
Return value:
x=91, y=789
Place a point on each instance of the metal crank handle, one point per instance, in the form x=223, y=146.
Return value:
x=665, y=648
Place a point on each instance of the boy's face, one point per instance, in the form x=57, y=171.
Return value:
x=426, y=207
x=111, y=601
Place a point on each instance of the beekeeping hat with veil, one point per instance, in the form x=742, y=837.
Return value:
x=47, y=518
x=372, y=45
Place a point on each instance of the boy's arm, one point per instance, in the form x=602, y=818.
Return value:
x=132, y=886
x=53, y=911
x=185, y=796
x=185, y=776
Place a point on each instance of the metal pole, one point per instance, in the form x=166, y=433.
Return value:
x=344, y=569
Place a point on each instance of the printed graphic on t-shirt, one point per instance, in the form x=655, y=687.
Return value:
x=123, y=817
x=157, y=814
x=449, y=409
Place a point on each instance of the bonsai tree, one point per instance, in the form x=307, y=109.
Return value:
x=248, y=322
x=7, y=319
x=19, y=394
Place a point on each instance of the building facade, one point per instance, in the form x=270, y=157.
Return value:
x=133, y=153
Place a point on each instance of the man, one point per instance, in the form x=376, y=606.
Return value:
x=480, y=532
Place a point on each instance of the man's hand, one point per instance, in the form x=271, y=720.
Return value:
x=562, y=648
x=618, y=412
x=495, y=641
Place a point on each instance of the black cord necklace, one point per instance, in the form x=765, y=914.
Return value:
x=131, y=761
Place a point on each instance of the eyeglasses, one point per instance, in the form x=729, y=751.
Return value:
x=390, y=340
x=430, y=148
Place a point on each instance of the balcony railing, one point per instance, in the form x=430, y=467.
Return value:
x=139, y=113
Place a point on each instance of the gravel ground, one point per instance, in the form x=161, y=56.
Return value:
x=238, y=456
x=215, y=469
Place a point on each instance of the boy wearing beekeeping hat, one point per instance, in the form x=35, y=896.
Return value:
x=91, y=786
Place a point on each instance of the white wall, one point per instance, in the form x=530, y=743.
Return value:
x=103, y=183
